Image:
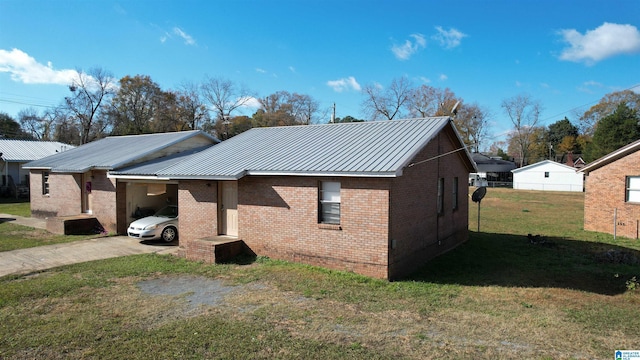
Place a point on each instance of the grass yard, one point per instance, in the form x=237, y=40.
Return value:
x=14, y=236
x=18, y=207
x=497, y=296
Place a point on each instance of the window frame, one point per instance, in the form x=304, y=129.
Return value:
x=45, y=183
x=440, y=197
x=455, y=194
x=628, y=189
x=546, y=174
x=326, y=217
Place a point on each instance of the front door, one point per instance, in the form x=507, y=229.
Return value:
x=228, y=208
x=86, y=193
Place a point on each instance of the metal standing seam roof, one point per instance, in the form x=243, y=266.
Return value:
x=381, y=148
x=29, y=150
x=111, y=152
x=152, y=167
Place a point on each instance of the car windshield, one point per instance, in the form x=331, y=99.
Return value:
x=168, y=212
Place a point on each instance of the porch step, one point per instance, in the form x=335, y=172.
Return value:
x=213, y=249
x=74, y=225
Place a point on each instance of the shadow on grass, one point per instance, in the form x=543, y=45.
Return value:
x=513, y=261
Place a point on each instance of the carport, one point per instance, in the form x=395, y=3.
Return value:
x=140, y=192
x=143, y=198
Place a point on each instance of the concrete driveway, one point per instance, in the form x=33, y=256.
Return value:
x=24, y=261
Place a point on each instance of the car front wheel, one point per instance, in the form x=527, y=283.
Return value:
x=169, y=234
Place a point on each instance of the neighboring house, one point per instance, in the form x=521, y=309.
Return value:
x=377, y=198
x=15, y=153
x=492, y=170
x=76, y=181
x=548, y=175
x=612, y=192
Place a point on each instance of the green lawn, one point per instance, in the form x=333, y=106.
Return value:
x=496, y=296
x=14, y=236
x=15, y=207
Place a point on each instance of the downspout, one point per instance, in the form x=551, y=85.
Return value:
x=438, y=185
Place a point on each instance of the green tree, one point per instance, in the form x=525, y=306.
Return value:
x=10, y=129
x=135, y=104
x=347, y=119
x=607, y=105
x=561, y=137
x=613, y=132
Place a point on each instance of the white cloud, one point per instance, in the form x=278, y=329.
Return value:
x=24, y=68
x=186, y=37
x=448, y=38
x=406, y=50
x=261, y=71
x=443, y=77
x=292, y=69
x=605, y=41
x=344, y=84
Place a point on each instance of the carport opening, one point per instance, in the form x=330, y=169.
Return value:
x=144, y=199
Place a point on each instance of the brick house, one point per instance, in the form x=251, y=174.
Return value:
x=376, y=198
x=612, y=192
x=76, y=182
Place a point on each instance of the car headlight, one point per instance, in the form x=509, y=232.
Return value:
x=151, y=227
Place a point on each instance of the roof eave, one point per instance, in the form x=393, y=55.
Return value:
x=383, y=174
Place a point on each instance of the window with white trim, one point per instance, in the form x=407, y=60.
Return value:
x=546, y=174
x=633, y=189
x=45, y=183
x=329, y=198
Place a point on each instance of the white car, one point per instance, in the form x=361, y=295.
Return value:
x=162, y=225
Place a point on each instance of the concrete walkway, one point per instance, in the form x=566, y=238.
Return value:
x=24, y=261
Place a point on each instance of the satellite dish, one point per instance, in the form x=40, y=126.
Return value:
x=477, y=197
x=479, y=194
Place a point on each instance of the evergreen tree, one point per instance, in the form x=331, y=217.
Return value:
x=613, y=132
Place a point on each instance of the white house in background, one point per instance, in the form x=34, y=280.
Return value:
x=548, y=175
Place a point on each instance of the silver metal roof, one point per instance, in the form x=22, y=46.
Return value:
x=28, y=150
x=381, y=148
x=152, y=167
x=111, y=152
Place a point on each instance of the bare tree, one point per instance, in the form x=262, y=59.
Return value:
x=224, y=96
x=524, y=113
x=304, y=108
x=34, y=124
x=90, y=93
x=386, y=102
x=192, y=108
x=425, y=101
x=472, y=123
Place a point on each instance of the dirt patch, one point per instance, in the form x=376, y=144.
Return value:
x=196, y=290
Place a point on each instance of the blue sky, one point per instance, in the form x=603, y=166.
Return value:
x=566, y=54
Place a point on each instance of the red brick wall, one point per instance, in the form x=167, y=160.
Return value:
x=278, y=217
x=198, y=210
x=64, y=195
x=103, y=200
x=417, y=232
x=605, y=190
